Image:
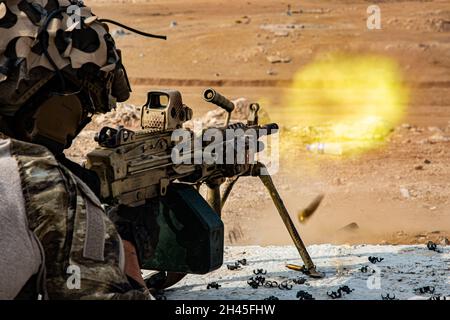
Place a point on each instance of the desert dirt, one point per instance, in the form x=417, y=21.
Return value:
x=397, y=193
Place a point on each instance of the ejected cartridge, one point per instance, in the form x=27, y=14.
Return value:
x=306, y=213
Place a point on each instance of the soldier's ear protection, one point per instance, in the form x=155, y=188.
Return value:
x=54, y=123
x=58, y=119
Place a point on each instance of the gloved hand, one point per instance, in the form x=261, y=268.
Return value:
x=138, y=226
x=132, y=268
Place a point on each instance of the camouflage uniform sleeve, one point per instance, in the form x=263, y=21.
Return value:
x=83, y=251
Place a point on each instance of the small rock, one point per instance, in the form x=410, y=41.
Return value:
x=434, y=129
x=418, y=167
x=437, y=138
x=119, y=33
x=244, y=20
x=289, y=11
x=173, y=24
x=406, y=126
x=400, y=233
x=444, y=241
x=405, y=193
x=390, y=47
x=271, y=72
x=426, y=161
x=273, y=59
x=281, y=34
x=351, y=227
x=278, y=59
x=423, y=46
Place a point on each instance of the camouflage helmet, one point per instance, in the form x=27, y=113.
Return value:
x=62, y=41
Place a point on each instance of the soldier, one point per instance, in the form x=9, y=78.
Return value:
x=58, y=67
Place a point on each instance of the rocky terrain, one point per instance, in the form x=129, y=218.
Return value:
x=397, y=272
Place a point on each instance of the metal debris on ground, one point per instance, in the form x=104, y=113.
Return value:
x=299, y=281
x=285, y=285
x=375, y=259
x=388, y=297
x=334, y=294
x=260, y=279
x=433, y=247
x=256, y=282
x=237, y=265
x=271, y=298
x=234, y=266
x=271, y=284
x=345, y=289
x=259, y=271
x=242, y=262
x=253, y=283
x=213, y=285
x=338, y=294
x=426, y=289
x=303, y=295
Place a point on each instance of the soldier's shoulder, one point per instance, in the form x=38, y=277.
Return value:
x=36, y=165
x=27, y=152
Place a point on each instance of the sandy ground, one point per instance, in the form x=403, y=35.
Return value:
x=402, y=270
x=223, y=44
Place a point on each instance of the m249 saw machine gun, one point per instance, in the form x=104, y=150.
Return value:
x=179, y=231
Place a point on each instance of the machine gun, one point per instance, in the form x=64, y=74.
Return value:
x=149, y=168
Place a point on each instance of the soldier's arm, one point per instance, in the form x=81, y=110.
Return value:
x=84, y=254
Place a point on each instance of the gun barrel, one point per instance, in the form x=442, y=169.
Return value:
x=211, y=95
x=271, y=128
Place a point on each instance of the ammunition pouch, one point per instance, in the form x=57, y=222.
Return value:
x=177, y=233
